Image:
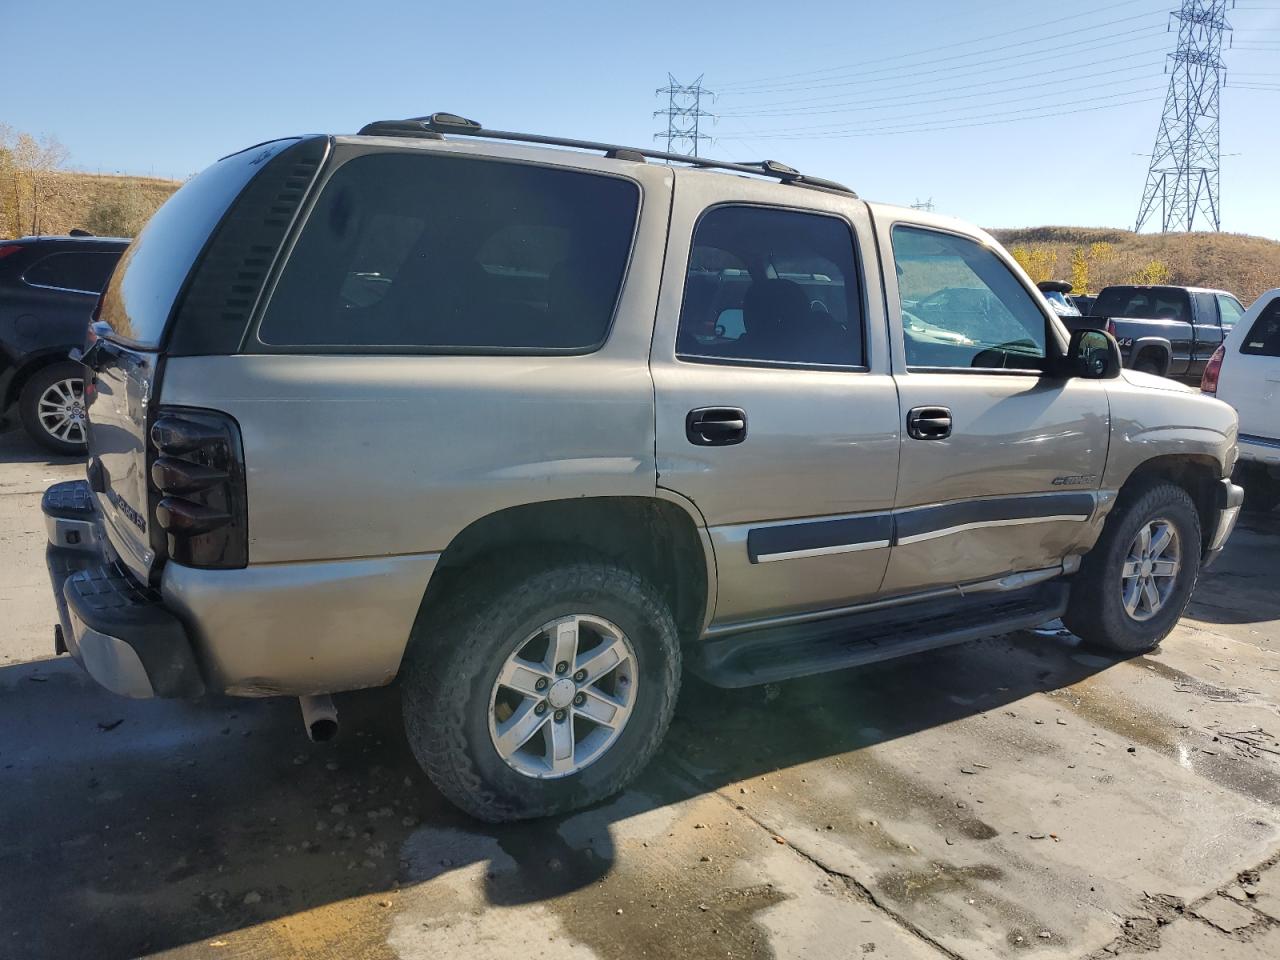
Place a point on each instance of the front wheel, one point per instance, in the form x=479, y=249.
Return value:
x=1137, y=580
x=541, y=688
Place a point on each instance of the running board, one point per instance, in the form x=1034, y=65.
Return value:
x=801, y=649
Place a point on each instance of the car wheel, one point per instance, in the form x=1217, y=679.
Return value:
x=1137, y=580
x=1147, y=365
x=541, y=689
x=1261, y=490
x=52, y=408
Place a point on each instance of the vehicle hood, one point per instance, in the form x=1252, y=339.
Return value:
x=1151, y=381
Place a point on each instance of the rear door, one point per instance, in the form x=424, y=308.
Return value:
x=1208, y=331
x=1000, y=464
x=776, y=412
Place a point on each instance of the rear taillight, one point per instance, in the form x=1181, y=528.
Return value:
x=198, y=476
x=1111, y=327
x=8, y=250
x=1212, y=370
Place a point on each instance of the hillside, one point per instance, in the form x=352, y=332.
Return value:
x=1093, y=257
x=55, y=201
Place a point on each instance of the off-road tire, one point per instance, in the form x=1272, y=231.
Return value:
x=452, y=662
x=29, y=399
x=1096, y=611
x=1261, y=490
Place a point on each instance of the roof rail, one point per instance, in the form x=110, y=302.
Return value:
x=434, y=127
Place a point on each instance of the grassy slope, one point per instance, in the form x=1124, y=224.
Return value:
x=1237, y=262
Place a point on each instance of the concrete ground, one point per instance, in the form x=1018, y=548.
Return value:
x=1014, y=796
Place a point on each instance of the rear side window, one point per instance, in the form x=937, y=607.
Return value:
x=1144, y=303
x=772, y=286
x=411, y=252
x=81, y=271
x=1263, y=339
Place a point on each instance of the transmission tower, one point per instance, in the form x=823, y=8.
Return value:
x=684, y=114
x=1182, y=181
x=925, y=205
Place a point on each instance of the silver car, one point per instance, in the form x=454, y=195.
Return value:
x=536, y=425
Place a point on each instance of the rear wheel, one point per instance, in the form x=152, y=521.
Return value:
x=1137, y=580
x=1261, y=489
x=542, y=688
x=1149, y=364
x=52, y=408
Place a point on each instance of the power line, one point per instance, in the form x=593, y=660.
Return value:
x=855, y=79
x=1182, y=180
x=732, y=85
x=684, y=115
x=843, y=105
x=955, y=126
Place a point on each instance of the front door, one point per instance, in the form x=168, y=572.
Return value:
x=1000, y=464
x=777, y=415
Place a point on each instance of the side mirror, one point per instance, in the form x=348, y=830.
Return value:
x=1093, y=355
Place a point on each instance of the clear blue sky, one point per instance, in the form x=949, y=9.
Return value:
x=164, y=88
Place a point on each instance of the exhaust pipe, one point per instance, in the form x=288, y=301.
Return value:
x=320, y=717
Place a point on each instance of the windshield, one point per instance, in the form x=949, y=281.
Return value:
x=146, y=282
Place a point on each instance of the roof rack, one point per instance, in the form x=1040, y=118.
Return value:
x=435, y=126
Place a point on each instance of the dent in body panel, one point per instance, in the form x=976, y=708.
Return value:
x=1149, y=422
x=300, y=628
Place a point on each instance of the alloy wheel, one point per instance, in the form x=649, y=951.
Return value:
x=61, y=410
x=563, y=696
x=1150, y=570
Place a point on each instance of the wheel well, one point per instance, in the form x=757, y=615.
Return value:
x=653, y=537
x=25, y=372
x=1155, y=353
x=1195, y=474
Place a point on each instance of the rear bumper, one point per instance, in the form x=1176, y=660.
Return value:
x=1229, y=498
x=262, y=630
x=117, y=629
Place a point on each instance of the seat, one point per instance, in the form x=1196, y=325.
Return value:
x=773, y=314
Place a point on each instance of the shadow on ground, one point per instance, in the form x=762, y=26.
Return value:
x=17, y=447
x=141, y=826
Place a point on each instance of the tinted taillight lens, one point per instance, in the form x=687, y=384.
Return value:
x=198, y=475
x=1111, y=327
x=7, y=250
x=1209, y=379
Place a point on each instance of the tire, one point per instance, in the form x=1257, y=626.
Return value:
x=453, y=707
x=1261, y=490
x=60, y=431
x=1096, y=612
x=1147, y=365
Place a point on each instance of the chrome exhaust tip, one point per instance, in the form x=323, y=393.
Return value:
x=320, y=717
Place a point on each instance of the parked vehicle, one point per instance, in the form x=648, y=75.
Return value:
x=1083, y=303
x=1055, y=291
x=48, y=288
x=535, y=430
x=1245, y=372
x=1166, y=331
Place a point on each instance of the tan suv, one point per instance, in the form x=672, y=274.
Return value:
x=534, y=429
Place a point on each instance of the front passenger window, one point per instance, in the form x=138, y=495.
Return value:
x=962, y=307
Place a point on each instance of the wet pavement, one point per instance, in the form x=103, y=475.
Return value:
x=1011, y=796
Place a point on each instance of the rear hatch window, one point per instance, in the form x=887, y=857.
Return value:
x=145, y=286
x=417, y=252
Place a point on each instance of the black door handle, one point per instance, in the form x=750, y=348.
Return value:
x=716, y=426
x=929, y=423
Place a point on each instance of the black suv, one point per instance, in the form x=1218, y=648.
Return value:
x=48, y=289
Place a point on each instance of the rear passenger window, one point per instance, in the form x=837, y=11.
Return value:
x=962, y=307
x=84, y=271
x=1263, y=339
x=772, y=286
x=423, y=252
